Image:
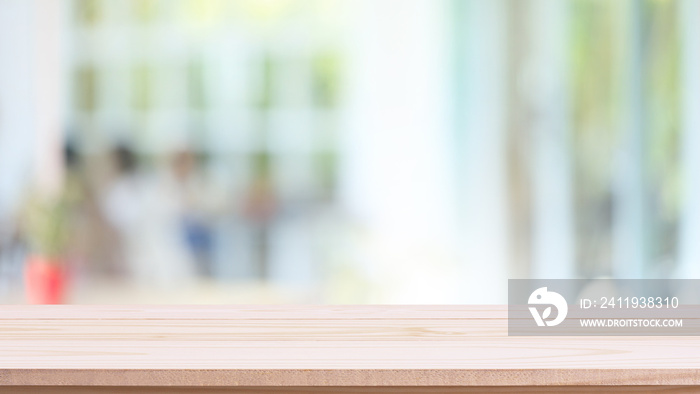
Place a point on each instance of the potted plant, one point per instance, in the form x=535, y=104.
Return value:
x=46, y=231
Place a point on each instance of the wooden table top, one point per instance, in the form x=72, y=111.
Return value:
x=318, y=346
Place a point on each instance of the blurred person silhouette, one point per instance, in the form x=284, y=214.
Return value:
x=75, y=187
x=94, y=244
x=260, y=209
x=199, y=204
x=146, y=212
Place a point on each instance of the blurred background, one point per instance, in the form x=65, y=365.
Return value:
x=344, y=151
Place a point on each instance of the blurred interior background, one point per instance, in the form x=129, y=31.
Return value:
x=344, y=151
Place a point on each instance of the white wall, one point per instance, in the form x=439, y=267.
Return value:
x=30, y=97
x=689, y=248
x=552, y=156
x=396, y=175
x=631, y=221
x=482, y=171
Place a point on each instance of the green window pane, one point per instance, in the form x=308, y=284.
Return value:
x=145, y=11
x=325, y=79
x=196, y=84
x=142, y=80
x=262, y=166
x=88, y=12
x=326, y=164
x=265, y=87
x=86, y=88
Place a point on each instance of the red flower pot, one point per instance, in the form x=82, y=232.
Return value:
x=45, y=280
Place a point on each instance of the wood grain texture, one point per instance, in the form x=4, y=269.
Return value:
x=320, y=346
x=345, y=390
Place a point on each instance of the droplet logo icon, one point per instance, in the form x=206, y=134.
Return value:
x=543, y=297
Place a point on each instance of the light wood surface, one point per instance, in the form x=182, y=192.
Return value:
x=347, y=390
x=455, y=347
